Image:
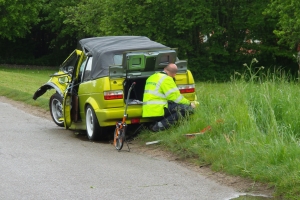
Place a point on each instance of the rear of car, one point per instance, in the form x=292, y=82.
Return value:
x=121, y=61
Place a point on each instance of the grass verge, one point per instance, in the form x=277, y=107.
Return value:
x=21, y=83
x=252, y=130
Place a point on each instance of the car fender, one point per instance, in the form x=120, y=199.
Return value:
x=45, y=87
x=92, y=102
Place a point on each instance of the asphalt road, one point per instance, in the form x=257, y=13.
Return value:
x=39, y=160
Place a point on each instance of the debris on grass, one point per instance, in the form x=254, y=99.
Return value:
x=192, y=135
x=153, y=142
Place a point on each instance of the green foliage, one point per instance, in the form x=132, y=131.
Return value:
x=216, y=37
x=49, y=41
x=232, y=31
x=84, y=17
x=53, y=16
x=288, y=24
x=17, y=17
x=134, y=17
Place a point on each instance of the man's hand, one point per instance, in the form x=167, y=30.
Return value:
x=193, y=105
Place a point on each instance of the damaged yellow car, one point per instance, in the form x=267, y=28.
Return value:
x=92, y=83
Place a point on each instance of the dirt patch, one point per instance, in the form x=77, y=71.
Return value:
x=240, y=184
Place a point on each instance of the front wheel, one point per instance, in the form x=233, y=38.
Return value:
x=55, y=105
x=92, y=125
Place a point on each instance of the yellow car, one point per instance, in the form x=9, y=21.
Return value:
x=92, y=83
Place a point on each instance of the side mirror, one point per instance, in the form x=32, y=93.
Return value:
x=70, y=70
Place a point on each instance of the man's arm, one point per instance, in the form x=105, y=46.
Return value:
x=170, y=89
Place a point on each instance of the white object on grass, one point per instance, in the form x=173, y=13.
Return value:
x=153, y=142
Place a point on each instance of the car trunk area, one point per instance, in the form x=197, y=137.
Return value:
x=136, y=94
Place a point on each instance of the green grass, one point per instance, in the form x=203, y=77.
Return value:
x=254, y=120
x=21, y=83
x=255, y=130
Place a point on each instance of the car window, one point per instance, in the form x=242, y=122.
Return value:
x=87, y=70
x=80, y=75
x=70, y=63
x=118, y=59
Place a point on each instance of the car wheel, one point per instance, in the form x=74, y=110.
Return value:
x=92, y=125
x=55, y=105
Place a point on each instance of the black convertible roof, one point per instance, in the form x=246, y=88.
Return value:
x=103, y=50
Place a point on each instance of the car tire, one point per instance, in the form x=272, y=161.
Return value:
x=93, y=128
x=55, y=106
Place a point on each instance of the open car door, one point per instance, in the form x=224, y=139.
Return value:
x=67, y=105
x=70, y=100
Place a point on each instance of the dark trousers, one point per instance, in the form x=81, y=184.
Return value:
x=174, y=112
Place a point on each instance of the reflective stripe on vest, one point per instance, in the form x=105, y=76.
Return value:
x=155, y=102
x=156, y=93
x=178, y=99
x=171, y=91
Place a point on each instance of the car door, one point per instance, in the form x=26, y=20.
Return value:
x=86, y=85
x=70, y=100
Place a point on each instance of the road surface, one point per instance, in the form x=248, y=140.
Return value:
x=39, y=160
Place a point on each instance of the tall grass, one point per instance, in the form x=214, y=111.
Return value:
x=255, y=129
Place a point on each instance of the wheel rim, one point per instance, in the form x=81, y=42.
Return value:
x=56, y=110
x=89, y=122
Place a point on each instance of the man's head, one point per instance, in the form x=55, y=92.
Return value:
x=171, y=70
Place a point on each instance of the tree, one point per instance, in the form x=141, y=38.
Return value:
x=85, y=17
x=52, y=16
x=175, y=23
x=288, y=25
x=215, y=36
x=17, y=17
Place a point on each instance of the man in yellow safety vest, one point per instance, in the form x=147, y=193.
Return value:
x=162, y=99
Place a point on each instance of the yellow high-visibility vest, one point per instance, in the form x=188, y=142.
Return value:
x=159, y=89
